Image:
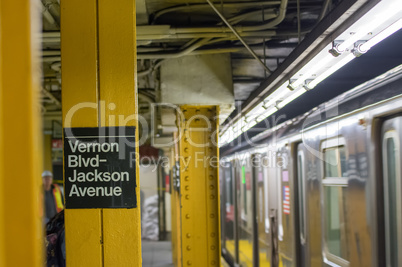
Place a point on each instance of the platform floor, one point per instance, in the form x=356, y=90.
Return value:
x=157, y=254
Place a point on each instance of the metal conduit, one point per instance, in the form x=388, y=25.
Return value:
x=166, y=32
x=271, y=14
x=238, y=36
x=143, y=34
x=151, y=69
x=176, y=54
x=51, y=96
x=226, y=5
x=206, y=35
x=255, y=28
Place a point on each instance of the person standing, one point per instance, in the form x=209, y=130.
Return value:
x=53, y=198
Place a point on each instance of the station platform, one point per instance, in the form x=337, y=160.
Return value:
x=157, y=254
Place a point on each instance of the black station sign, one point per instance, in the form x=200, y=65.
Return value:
x=99, y=167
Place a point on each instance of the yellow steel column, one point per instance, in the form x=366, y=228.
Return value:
x=118, y=90
x=80, y=96
x=175, y=204
x=200, y=220
x=21, y=238
x=99, y=89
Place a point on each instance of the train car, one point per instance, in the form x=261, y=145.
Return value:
x=323, y=189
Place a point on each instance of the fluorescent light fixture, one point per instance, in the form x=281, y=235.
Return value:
x=330, y=71
x=312, y=69
x=269, y=112
x=372, y=20
x=355, y=37
x=292, y=97
x=277, y=94
x=255, y=112
x=248, y=126
x=381, y=36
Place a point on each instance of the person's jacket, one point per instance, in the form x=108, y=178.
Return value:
x=58, y=197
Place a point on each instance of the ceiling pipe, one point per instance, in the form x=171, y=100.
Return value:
x=169, y=55
x=176, y=54
x=155, y=32
x=151, y=69
x=50, y=53
x=51, y=96
x=238, y=36
x=197, y=6
x=48, y=15
x=163, y=32
x=255, y=28
x=169, y=35
x=56, y=66
x=51, y=59
x=323, y=10
x=192, y=7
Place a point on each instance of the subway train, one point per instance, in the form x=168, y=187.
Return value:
x=323, y=189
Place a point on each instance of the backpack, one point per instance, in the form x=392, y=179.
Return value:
x=55, y=248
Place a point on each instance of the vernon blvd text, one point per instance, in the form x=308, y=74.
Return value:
x=88, y=172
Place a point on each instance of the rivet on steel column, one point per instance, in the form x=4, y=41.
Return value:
x=200, y=203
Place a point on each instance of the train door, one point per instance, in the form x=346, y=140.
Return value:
x=301, y=218
x=262, y=255
x=272, y=220
x=286, y=210
x=335, y=203
x=245, y=214
x=391, y=154
x=228, y=211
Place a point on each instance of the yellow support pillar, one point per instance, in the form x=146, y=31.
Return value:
x=175, y=206
x=199, y=186
x=21, y=238
x=99, y=89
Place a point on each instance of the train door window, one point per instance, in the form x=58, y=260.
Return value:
x=228, y=198
x=261, y=180
x=244, y=190
x=266, y=200
x=245, y=222
x=302, y=185
x=335, y=204
x=392, y=188
x=281, y=161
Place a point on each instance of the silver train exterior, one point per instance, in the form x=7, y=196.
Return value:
x=322, y=190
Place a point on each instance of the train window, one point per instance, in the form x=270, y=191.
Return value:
x=392, y=178
x=266, y=200
x=335, y=203
x=335, y=227
x=229, y=219
x=229, y=190
x=245, y=220
x=302, y=185
x=335, y=162
x=244, y=188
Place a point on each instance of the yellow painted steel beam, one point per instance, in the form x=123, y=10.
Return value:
x=175, y=206
x=199, y=169
x=80, y=94
x=118, y=90
x=99, y=89
x=21, y=236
